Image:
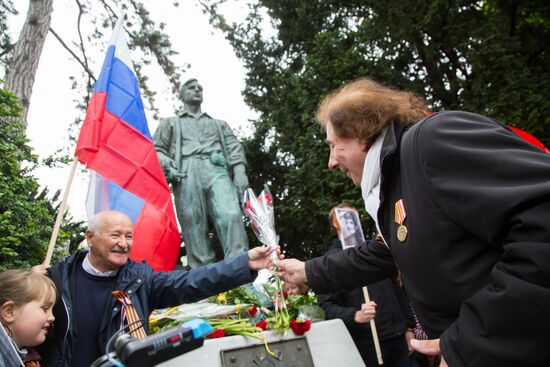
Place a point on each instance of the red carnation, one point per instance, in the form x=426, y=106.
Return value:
x=262, y=325
x=300, y=327
x=219, y=333
x=252, y=311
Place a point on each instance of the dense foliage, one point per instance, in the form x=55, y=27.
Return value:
x=488, y=56
x=6, y=9
x=485, y=56
x=26, y=214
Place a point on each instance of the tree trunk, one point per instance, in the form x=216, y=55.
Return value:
x=27, y=51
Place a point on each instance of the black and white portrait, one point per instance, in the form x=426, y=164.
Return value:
x=351, y=233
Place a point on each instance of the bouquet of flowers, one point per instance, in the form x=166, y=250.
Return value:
x=262, y=218
x=259, y=209
x=225, y=319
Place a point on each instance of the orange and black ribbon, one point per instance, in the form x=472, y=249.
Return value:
x=129, y=311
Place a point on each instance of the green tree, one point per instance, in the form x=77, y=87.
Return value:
x=26, y=52
x=26, y=215
x=489, y=57
x=510, y=78
x=93, y=24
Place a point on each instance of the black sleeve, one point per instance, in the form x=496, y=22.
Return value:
x=337, y=305
x=498, y=190
x=404, y=304
x=351, y=268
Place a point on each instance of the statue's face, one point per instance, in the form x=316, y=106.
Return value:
x=192, y=94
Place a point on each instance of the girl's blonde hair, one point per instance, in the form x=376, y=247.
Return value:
x=22, y=286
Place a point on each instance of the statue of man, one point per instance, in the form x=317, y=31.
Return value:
x=199, y=155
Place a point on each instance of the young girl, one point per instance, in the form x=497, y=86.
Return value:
x=26, y=302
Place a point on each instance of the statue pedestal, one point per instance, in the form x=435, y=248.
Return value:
x=326, y=344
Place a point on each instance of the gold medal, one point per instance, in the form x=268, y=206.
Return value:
x=402, y=233
x=400, y=215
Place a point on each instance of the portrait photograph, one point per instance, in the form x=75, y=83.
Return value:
x=350, y=233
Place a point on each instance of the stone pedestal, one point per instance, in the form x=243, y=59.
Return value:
x=327, y=344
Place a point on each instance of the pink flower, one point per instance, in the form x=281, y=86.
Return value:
x=300, y=327
x=278, y=301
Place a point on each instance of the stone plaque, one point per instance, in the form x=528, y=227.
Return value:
x=288, y=353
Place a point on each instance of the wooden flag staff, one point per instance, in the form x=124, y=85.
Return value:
x=373, y=329
x=60, y=213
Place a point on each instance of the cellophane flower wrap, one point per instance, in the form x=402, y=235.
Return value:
x=259, y=209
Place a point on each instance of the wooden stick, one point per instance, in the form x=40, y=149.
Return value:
x=60, y=213
x=373, y=329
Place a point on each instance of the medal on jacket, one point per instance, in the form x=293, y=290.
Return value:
x=400, y=215
x=129, y=312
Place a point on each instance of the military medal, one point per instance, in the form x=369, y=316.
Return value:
x=402, y=233
x=400, y=215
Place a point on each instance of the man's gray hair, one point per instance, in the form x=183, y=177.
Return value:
x=95, y=223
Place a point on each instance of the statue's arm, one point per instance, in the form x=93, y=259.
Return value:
x=236, y=159
x=234, y=149
x=163, y=145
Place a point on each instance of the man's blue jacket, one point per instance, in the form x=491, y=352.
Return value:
x=147, y=290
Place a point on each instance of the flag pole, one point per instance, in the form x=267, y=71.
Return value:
x=373, y=329
x=60, y=213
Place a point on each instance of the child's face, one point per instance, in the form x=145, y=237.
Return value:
x=31, y=322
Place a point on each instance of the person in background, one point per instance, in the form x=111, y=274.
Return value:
x=26, y=302
x=87, y=314
x=463, y=206
x=296, y=290
x=389, y=308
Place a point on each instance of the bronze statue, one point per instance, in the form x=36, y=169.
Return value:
x=206, y=167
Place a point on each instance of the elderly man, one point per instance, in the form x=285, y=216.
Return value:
x=87, y=315
x=205, y=165
x=463, y=206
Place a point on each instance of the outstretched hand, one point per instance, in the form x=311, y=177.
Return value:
x=429, y=348
x=293, y=271
x=259, y=257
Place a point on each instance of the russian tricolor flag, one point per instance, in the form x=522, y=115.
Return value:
x=116, y=145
